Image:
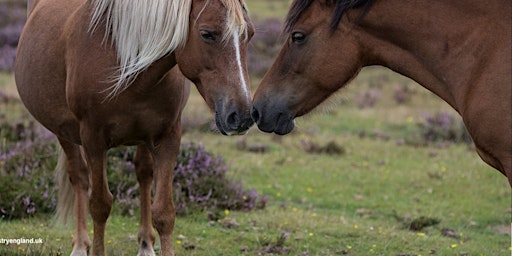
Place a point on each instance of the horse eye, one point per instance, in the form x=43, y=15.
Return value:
x=208, y=36
x=298, y=37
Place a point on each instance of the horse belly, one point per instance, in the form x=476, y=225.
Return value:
x=40, y=69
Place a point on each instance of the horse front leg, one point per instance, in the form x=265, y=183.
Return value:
x=144, y=171
x=165, y=156
x=72, y=164
x=100, y=201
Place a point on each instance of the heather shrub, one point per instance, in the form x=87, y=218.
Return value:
x=403, y=93
x=200, y=183
x=27, y=152
x=367, y=98
x=13, y=15
x=264, y=46
x=28, y=156
x=444, y=127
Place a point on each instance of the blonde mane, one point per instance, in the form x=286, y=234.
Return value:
x=236, y=22
x=143, y=31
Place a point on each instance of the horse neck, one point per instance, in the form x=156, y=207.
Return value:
x=436, y=43
x=156, y=72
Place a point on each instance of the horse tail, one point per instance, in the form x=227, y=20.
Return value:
x=66, y=195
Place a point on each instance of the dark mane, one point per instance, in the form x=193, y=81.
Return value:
x=340, y=7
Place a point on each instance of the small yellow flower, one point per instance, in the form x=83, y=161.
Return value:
x=349, y=246
x=178, y=242
x=109, y=241
x=454, y=246
x=309, y=190
x=311, y=234
x=421, y=234
x=226, y=212
x=356, y=226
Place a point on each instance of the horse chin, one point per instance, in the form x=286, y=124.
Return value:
x=282, y=127
x=237, y=133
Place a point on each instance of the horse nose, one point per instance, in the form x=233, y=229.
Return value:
x=238, y=122
x=255, y=114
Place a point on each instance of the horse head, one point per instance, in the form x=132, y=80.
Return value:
x=214, y=58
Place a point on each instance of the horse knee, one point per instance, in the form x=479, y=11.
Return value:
x=163, y=218
x=79, y=179
x=100, y=206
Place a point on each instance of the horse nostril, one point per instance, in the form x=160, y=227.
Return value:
x=233, y=119
x=255, y=115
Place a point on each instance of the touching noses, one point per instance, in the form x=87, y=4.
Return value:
x=239, y=122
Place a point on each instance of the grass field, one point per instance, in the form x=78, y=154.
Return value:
x=359, y=201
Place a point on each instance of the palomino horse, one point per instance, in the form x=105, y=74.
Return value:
x=458, y=49
x=97, y=73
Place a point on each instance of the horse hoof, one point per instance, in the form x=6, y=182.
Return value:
x=79, y=252
x=147, y=251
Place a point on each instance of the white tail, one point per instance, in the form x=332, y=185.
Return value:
x=66, y=194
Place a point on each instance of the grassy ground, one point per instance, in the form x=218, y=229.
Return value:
x=357, y=202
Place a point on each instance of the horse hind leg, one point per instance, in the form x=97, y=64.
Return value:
x=73, y=183
x=144, y=171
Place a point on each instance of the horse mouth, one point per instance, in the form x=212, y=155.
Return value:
x=233, y=126
x=281, y=128
x=280, y=124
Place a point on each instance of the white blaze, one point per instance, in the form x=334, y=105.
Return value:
x=239, y=63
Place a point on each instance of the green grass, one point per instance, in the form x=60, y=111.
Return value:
x=329, y=205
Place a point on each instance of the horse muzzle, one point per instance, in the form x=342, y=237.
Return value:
x=233, y=123
x=273, y=120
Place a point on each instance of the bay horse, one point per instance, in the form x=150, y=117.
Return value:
x=104, y=73
x=458, y=49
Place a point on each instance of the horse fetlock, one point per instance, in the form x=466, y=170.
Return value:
x=81, y=242
x=146, y=239
x=166, y=245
